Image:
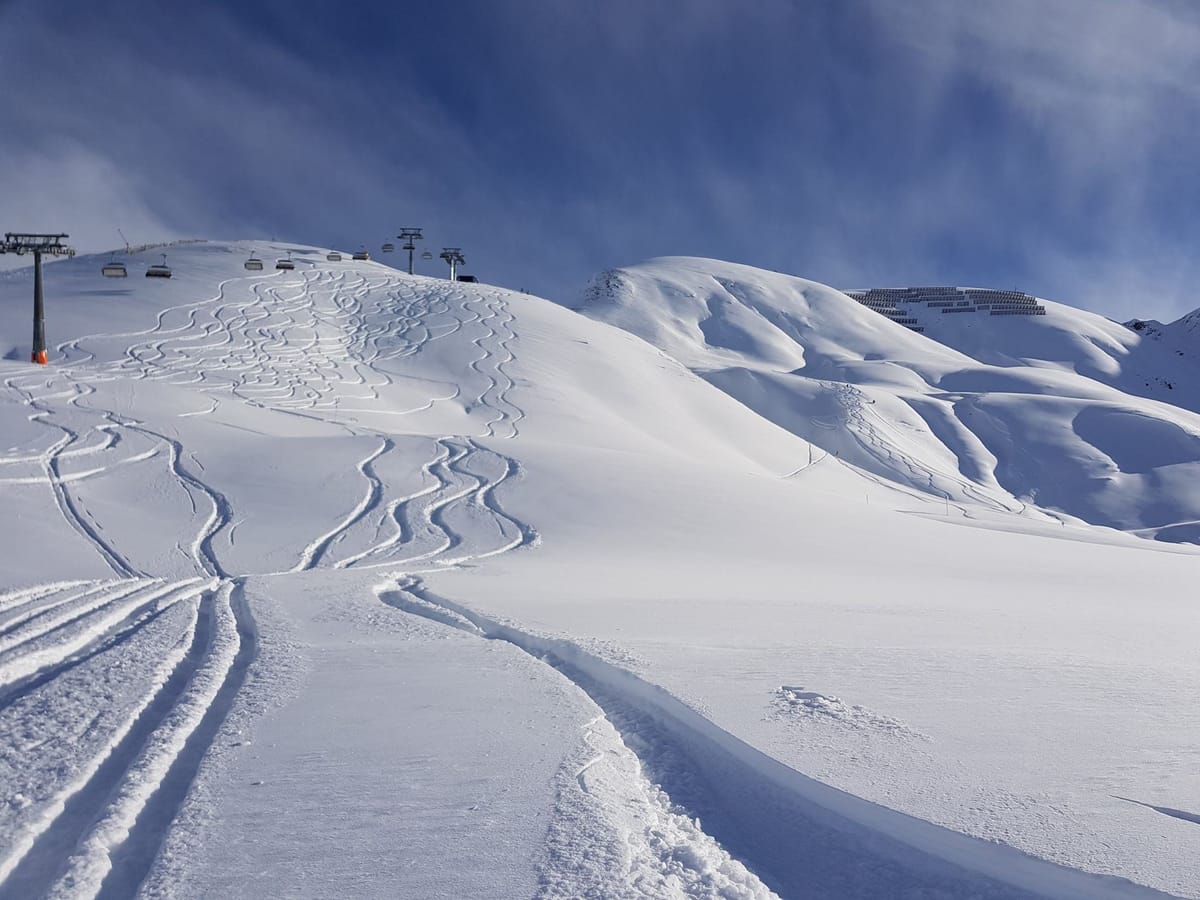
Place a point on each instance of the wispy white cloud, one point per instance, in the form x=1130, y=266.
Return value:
x=238, y=135
x=70, y=189
x=1110, y=93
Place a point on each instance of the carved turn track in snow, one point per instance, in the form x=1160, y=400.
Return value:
x=112, y=691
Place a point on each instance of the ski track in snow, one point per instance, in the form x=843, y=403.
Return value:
x=767, y=828
x=96, y=817
x=703, y=814
x=319, y=344
x=316, y=344
x=877, y=437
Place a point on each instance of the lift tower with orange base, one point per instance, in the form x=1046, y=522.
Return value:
x=38, y=245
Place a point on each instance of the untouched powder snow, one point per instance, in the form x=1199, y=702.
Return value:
x=336, y=581
x=1064, y=414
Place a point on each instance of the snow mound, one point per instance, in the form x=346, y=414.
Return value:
x=795, y=703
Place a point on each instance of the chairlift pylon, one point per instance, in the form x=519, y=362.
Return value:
x=159, y=270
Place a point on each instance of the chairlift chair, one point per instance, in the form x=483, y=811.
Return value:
x=333, y=256
x=254, y=264
x=388, y=248
x=427, y=255
x=362, y=254
x=159, y=270
x=114, y=269
x=285, y=263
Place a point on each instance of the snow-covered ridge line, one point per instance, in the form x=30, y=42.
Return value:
x=768, y=811
x=1028, y=405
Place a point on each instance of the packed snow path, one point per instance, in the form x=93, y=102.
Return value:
x=159, y=454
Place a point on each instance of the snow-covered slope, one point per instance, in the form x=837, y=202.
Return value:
x=341, y=582
x=1178, y=342
x=1060, y=413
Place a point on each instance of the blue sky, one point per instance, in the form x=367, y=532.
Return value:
x=1043, y=144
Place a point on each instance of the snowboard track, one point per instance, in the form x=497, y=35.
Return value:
x=799, y=836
